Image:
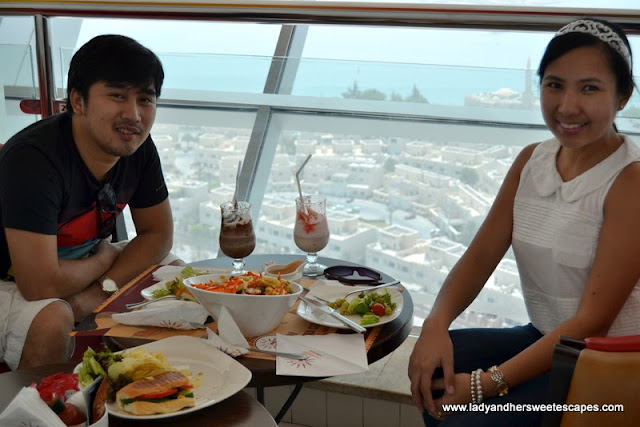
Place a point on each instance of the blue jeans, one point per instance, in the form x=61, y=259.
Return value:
x=483, y=348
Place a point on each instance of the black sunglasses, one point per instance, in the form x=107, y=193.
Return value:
x=342, y=273
x=107, y=204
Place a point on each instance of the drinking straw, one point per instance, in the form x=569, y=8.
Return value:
x=304, y=207
x=235, y=191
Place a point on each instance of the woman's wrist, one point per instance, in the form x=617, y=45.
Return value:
x=488, y=386
x=435, y=322
x=494, y=383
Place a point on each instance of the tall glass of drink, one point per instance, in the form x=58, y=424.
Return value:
x=311, y=231
x=237, y=239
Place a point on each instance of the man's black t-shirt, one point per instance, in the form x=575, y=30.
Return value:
x=46, y=188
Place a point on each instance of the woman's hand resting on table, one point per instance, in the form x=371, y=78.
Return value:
x=433, y=349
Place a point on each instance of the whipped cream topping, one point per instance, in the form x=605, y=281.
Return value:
x=233, y=219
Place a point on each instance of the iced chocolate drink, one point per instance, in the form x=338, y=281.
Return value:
x=237, y=238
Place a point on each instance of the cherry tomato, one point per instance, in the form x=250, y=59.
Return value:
x=71, y=415
x=377, y=309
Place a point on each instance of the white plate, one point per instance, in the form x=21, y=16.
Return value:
x=222, y=376
x=147, y=293
x=320, y=318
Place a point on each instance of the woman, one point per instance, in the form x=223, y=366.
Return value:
x=570, y=208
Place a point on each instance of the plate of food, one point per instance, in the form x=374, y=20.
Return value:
x=369, y=309
x=164, y=378
x=174, y=286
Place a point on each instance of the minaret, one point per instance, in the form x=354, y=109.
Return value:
x=527, y=95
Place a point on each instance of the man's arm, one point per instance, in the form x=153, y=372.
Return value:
x=153, y=241
x=154, y=227
x=40, y=274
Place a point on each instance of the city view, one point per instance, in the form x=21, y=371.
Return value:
x=407, y=207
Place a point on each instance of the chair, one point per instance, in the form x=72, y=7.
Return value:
x=596, y=371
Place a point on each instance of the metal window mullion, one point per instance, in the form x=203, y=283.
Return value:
x=44, y=64
x=264, y=140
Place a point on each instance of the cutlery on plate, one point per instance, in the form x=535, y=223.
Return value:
x=142, y=303
x=362, y=291
x=330, y=311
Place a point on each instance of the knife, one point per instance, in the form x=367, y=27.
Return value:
x=330, y=311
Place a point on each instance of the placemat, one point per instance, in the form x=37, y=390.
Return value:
x=291, y=324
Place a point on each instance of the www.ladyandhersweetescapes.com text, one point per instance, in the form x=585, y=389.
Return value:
x=531, y=407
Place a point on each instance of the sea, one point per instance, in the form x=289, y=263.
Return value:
x=438, y=84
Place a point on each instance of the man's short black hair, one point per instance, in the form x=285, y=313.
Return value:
x=114, y=59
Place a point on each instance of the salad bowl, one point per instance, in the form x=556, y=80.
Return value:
x=255, y=314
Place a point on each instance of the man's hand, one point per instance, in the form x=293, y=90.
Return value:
x=108, y=252
x=83, y=303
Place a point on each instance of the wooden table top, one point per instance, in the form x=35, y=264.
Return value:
x=239, y=410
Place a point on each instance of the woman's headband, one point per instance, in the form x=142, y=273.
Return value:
x=601, y=31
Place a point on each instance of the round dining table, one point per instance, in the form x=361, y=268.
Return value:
x=239, y=410
x=390, y=337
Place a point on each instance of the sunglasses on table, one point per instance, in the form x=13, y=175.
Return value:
x=349, y=275
x=107, y=204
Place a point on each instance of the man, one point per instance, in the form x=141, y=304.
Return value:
x=63, y=182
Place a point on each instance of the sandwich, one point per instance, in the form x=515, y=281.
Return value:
x=161, y=394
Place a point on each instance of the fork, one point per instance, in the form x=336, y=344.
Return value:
x=143, y=303
x=362, y=291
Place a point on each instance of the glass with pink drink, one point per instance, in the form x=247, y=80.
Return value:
x=311, y=231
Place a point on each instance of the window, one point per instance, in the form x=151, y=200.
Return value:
x=411, y=130
x=17, y=74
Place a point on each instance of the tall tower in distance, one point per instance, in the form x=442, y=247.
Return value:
x=527, y=95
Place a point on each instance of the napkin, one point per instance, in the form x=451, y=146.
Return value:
x=329, y=355
x=230, y=340
x=28, y=409
x=175, y=314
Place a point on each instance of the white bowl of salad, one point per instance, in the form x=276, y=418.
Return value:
x=257, y=303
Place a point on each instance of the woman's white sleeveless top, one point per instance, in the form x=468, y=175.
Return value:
x=556, y=226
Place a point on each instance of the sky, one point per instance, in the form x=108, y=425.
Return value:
x=495, y=49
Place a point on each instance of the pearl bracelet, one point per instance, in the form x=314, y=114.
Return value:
x=476, y=387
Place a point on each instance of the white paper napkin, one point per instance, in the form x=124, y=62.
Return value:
x=175, y=314
x=329, y=355
x=230, y=340
x=28, y=409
